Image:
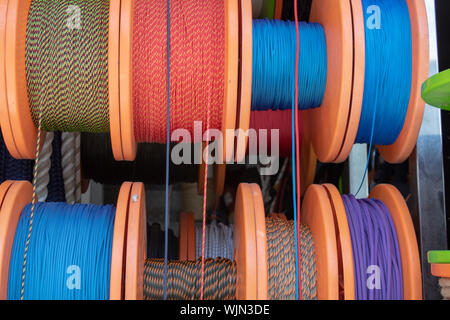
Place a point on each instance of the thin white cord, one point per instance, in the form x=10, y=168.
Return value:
x=43, y=176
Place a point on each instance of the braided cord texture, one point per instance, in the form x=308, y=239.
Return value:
x=197, y=66
x=281, y=260
x=12, y=169
x=67, y=64
x=184, y=279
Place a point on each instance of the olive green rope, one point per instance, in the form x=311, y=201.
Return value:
x=220, y=274
x=67, y=61
x=184, y=279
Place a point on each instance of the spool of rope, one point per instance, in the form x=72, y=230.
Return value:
x=374, y=245
x=149, y=166
x=111, y=265
x=220, y=274
x=91, y=77
x=379, y=256
x=390, y=61
x=274, y=55
x=263, y=266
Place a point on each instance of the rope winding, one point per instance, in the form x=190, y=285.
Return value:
x=67, y=66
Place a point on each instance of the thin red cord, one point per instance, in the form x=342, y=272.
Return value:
x=297, y=149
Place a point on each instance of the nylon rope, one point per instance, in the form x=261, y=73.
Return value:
x=166, y=207
x=64, y=238
x=387, y=83
x=197, y=65
x=375, y=246
x=274, y=61
x=67, y=65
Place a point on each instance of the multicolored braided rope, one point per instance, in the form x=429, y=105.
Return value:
x=67, y=64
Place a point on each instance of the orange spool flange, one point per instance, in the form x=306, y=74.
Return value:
x=440, y=270
x=20, y=133
x=187, y=237
x=345, y=251
x=407, y=241
x=245, y=78
x=261, y=243
x=406, y=141
x=358, y=78
x=16, y=195
x=183, y=241
x=327, y=124
x=129, y=146
x=245, y=245
x=113, y=78
x=136, y=243
x=119, y=247
x=4, y=112
x=317, y=215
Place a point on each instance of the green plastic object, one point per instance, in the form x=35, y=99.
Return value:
x=436, y=90
x=439, y=257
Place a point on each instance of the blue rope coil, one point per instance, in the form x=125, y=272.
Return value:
x=387, y=86
x=274, y=53
x=68, y=243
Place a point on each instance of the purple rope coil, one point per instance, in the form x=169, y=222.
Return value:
x=374, y=244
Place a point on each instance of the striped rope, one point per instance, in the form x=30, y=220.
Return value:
x=281, y=261
x=67, y=64
x=184, y=281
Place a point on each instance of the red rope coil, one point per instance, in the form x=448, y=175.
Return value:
x=197, y=66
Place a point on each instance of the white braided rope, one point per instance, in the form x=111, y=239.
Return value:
x=445, y=287
x=77, y=167
x=218, y=241
x=43, y=175
x=68, y=165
